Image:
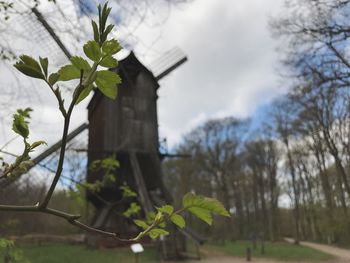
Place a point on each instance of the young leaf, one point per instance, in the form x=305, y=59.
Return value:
x=126, y=191
x=202, y=214
x=95, y=29
x=29, y=61
x=99, y=17
x=36, y=144
x=80, y=63
x=53, y=78
x=19, y=125
x=92, y=50
x=166, y=209
x=25, y=112
x=211, y=204
x=141, y=224
x=132, y=210
x=158, y=217
x=105, y=12
x=109, y=62
x=111, y=47
x=44, y=62
x=107, y=82
x=156, y=232
x=28, y=70
x=202, y=207
x=86, y=91
x=105, y=34
x=178, y=220
x=68, y=72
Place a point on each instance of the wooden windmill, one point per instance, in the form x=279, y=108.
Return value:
x=128, y=128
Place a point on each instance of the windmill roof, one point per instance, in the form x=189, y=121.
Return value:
x=128, y=68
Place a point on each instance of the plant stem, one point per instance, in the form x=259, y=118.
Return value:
x=67, y=116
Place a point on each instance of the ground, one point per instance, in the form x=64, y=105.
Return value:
x=231, y=252
x=340, y=255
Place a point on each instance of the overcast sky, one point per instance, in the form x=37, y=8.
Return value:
x=231, y=68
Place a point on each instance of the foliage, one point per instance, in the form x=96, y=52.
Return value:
x=22, y=162
x=99, y=52
x=108, y=166
x=10, y=253
x=200, y=206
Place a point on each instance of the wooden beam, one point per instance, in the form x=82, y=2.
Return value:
x=140, y=184
x=58, y=144
x=52, y=33
x=7, y=181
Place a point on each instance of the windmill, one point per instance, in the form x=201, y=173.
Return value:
x=128, y=128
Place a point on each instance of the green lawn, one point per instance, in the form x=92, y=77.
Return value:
x=278, y=250
x=60, y=253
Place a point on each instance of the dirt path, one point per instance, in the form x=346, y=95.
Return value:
x=210, y=256
x=342, y=254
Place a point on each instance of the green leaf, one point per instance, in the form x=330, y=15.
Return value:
x=202, y=214
x=105, y=12
x=158, y=217
x=211, y=204
x=68, y=72
x=132, y=210
x=95, y=29
x=19, y=125
x=156, y=232
x=29, y=71
x=80, y=63
x=178, y=220
x=25, y=112
x=141, y=224
x=150, y=216
x=105, y=34
x=44, y=62
x=86, y=91
x=166, y=209
x=29, y=61
x=53, y=78
x=202, y=207
x=92, y=50
x=107, y=81
x=99, y=16
x=36, y=144
x=111, y=47
x=109, y=62
x=127, y=192
x=4, y=243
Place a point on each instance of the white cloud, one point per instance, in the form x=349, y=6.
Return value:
x=231, y=62
x=230, y=69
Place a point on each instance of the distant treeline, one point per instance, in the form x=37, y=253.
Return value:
x=291, y=175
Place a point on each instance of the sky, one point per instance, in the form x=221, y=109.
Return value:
x=231, y=67
x=232, y=63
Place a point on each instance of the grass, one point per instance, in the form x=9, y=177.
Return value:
x=61, y=253
x=278, y=250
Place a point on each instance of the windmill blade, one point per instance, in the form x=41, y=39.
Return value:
x=168, y=63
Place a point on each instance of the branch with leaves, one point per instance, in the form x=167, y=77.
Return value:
x=100, y=53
